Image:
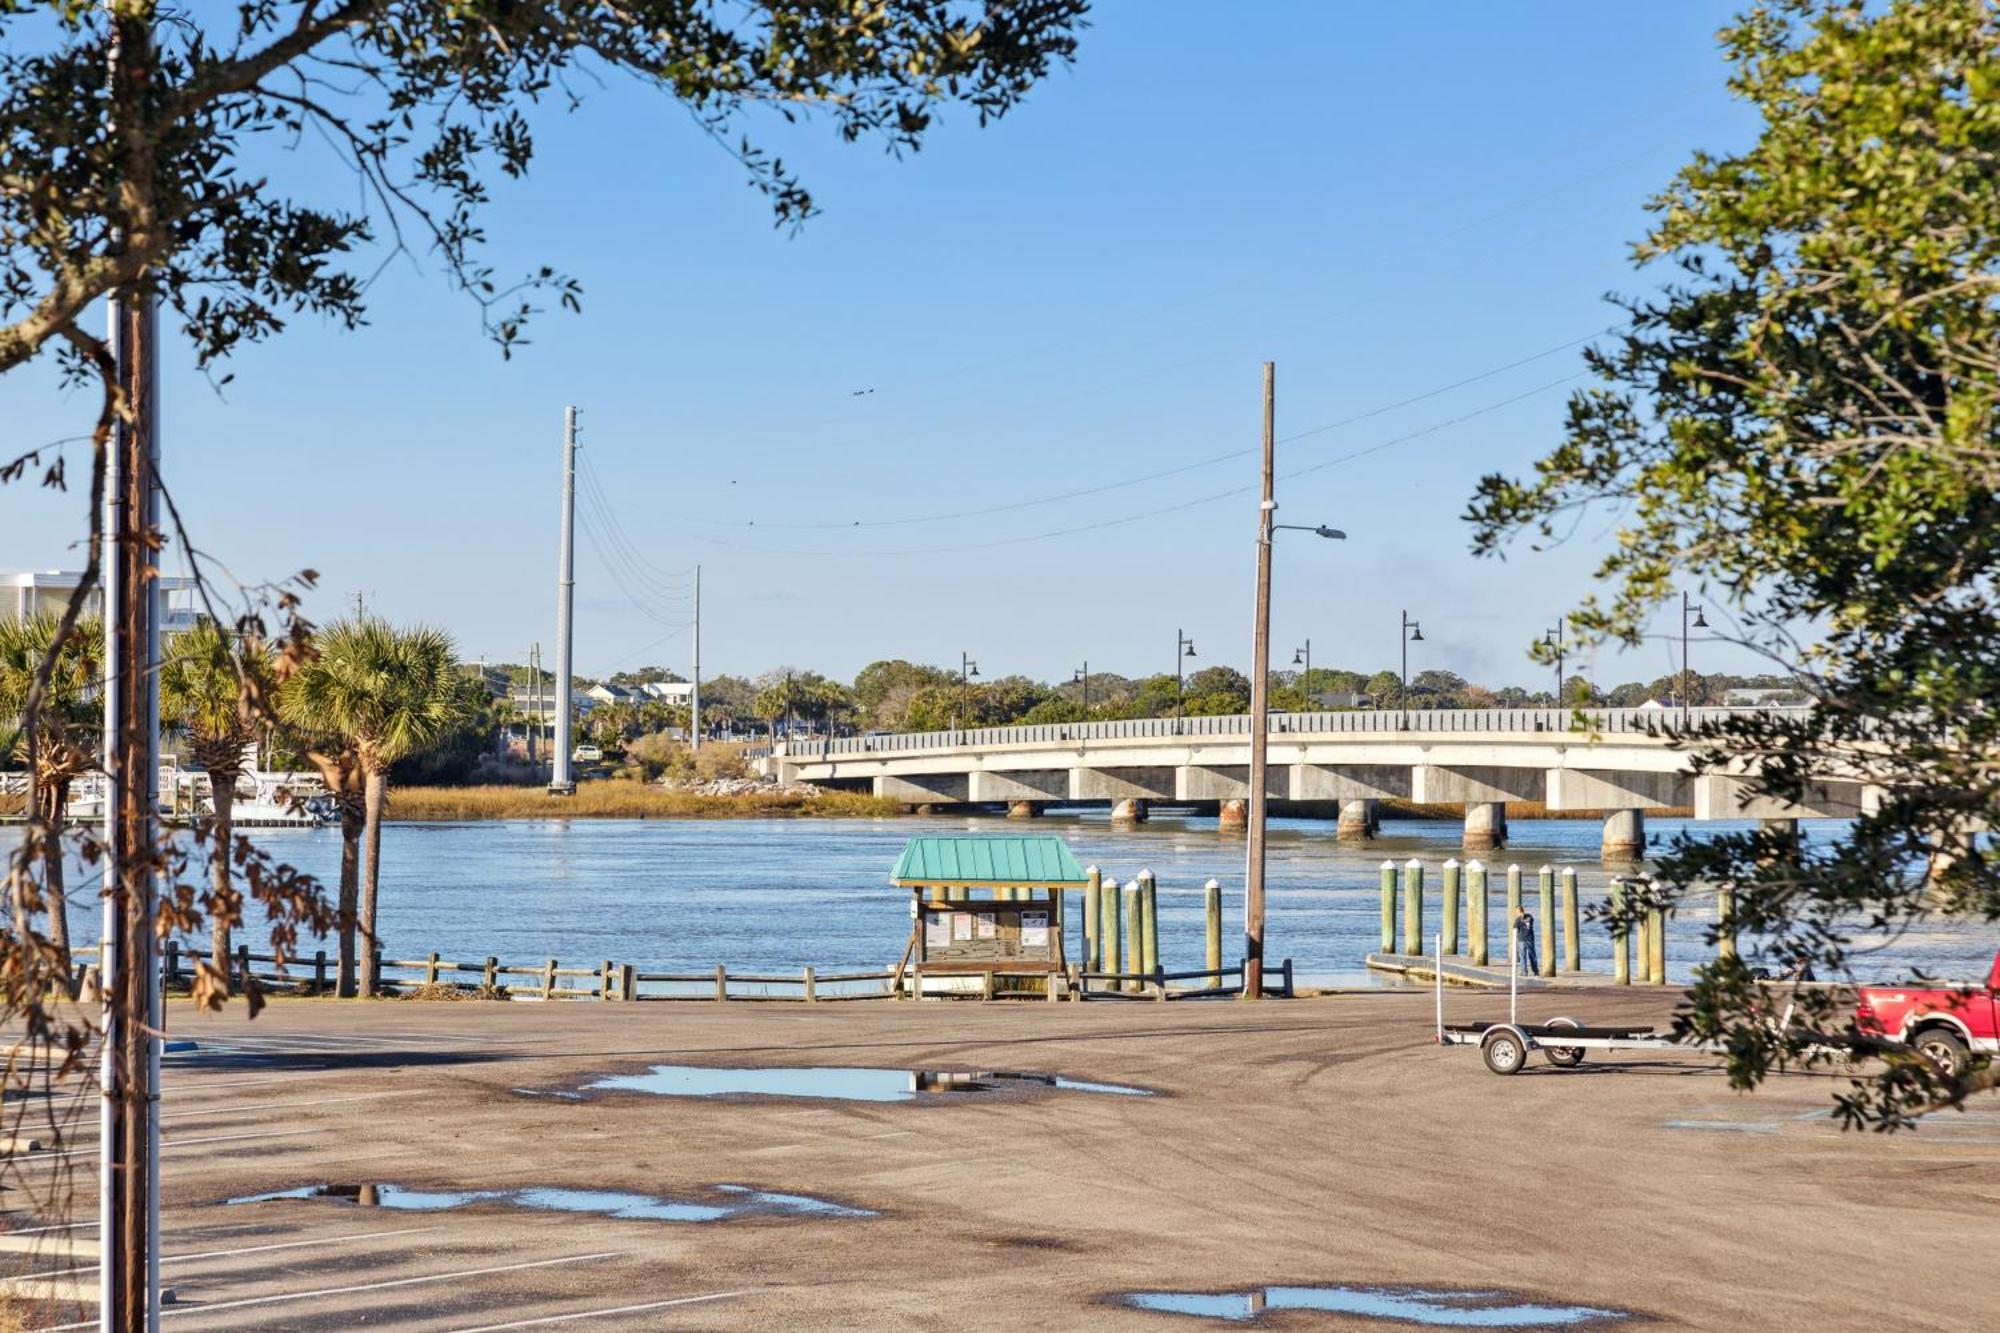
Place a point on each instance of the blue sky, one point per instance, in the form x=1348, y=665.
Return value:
x=1384, y=200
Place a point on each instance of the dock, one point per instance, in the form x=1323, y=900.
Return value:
x=1458, y=972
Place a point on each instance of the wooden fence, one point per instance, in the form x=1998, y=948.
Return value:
x=622, y=982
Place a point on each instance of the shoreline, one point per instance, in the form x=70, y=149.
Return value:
x=634, y=800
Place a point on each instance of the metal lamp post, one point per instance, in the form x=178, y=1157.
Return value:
x=967, y=669
x=1412, y=633
x=1700, y=622
x=1305, y=655
x=1183, y=649
x=1554, y=639
x=1082, y=677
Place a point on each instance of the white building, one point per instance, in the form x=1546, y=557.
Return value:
x=678, y=692
x=47, y=591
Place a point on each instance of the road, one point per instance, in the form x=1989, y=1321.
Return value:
x=1320, y=1140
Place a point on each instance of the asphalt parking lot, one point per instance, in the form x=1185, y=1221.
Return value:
x=1311, y=1141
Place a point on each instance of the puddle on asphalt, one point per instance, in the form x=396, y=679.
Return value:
x=738, y=1201
x=840, y=1084
x=1407, y=1305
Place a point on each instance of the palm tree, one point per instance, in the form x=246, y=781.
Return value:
x=65, y=743
x=373, y=693
x=206, y=685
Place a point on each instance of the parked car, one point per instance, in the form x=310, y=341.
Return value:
x=586, y=754
x=1947, y=1023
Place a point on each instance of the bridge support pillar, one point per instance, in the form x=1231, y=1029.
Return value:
x=1625, y=836
x=1235, y=816
x=1485, y=825
x=1130, y=810
x=1360, y=820
x=1024, y=809
x=1787, y=829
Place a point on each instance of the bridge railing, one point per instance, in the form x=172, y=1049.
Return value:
x=1384, y=721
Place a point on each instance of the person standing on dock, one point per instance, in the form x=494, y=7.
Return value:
x=1530, y=962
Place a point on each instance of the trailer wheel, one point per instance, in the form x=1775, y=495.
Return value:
x=1943, y=1045
x=1505, y=1053
x=1566, y=1057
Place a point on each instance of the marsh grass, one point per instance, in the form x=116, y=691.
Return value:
x=620, y=799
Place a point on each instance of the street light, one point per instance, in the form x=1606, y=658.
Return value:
x=1183, y=649
x=1082, y=677
x=1554, y=638
x=1700, y=622
x=967, y=669
x=1305, y=655
x=1412, y=633
x=1260, y=706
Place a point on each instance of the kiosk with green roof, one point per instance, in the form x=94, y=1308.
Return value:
x=987, y=911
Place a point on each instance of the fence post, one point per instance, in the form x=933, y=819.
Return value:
x=1450, y=888
x=1413, y=908
x=492, y=973
x=1621, y=937
x=721, y=982
x=1545, y=892
x=1093, y=885
x=1211, y=907
x=431, y=969
x=243, y=967
x=1475, y=915
x=379, y=981
x=549, y=980
x=1572, y=941
x=319, y=972
x=811, y=994
x=987, y=985
x=1725, y=921
x=174, y=961
x=1288, y=978
x=1388, y=907
x=628, y=982
x=607, y=985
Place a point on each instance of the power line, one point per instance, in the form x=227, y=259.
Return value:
x=1098, y=525
x=1162, y=474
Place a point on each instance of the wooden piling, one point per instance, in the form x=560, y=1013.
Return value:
x=628, y=982
x=1545, y=883
x=1413, y=908
x=492, y=980
x=1642, y=948
x=1513, y=905
x=549, y=980
x=1725, y=921
x=1093, y=885
x=319, y=971
x=1211, y=910
x=1135, y=948
x=721, y=982
x=1475, y=915
x=812, y=992
x=1449, y=886
x=243, y=967
x=1656, y=946
x=1107, y=931
x=1388, y=908
x=1621, y=937
x=1149, y=923
x=607, y=988
x=1572, y=919
x=431, y=968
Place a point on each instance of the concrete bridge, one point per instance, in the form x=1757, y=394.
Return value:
x=1613, y=761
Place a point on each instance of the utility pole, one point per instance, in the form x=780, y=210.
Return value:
x=128, y=1150
x=560, y=782
x=694, y=696
x=1260, y=706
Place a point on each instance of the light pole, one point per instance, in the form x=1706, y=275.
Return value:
x=1700, y=622
x=1554, y=638
x=967, y=669
x=1305, y=655
x=1260, y=701
x=1183, y=649
x=1412, y=633
x=1082, y=677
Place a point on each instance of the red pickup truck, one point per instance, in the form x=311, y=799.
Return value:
x=1947, y=1023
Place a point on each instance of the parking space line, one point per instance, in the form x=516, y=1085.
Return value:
x=603, y=1314
x=210, y=1307
x=246, y=1249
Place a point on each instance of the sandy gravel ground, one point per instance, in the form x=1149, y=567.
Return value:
x=1322, y=1140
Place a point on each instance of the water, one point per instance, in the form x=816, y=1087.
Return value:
x=777, y=895
x=835, y=1083
x=1435, y=1309
x=741, y=1201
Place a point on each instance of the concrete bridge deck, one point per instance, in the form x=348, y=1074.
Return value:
x=1622, y=761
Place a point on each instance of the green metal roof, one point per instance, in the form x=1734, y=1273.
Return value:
x=995, y=860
